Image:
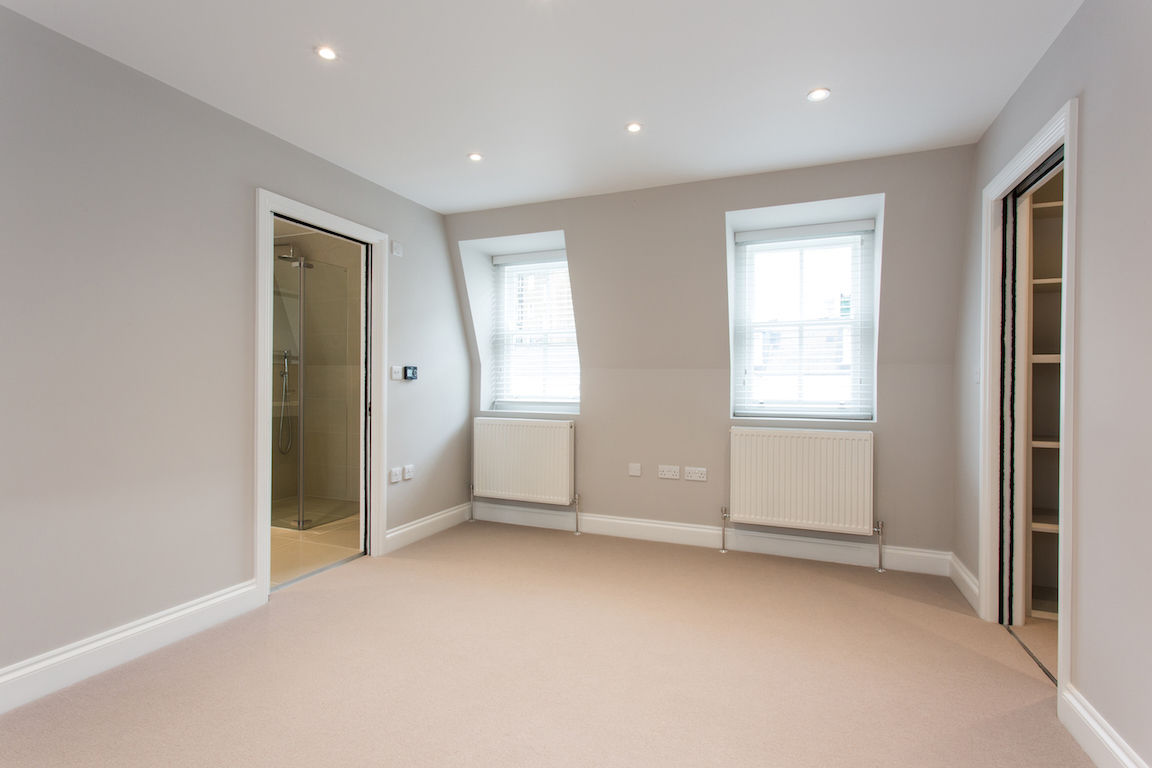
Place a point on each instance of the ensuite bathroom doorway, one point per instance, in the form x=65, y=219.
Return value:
x=319, y=390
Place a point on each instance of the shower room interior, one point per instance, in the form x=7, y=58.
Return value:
x=318, y=385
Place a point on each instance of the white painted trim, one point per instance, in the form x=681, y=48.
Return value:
x=556, y=519
x=412, y=532
x=862, y=553
x=965, y=581
x=1104, y=745
x=268, y=204
x=1060, y=130
x=1069, y=512
x=652, y=530
x=38, y=676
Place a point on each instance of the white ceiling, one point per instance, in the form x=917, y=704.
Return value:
x=544, y=88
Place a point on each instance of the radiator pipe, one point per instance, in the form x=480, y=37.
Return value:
x=471, y=503
x=577, y=514
x=878, y=529
x=723, y=530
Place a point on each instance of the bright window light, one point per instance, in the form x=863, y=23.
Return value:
x=804, y=325
x=536, y=362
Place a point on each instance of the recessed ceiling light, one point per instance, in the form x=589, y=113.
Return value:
x=475, y=157
x=325, y=52
x=634, y=127
x=818, y=94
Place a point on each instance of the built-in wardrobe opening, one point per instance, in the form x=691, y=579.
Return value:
x=1032, y=377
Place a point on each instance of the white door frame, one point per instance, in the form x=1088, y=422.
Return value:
x=269, y=204
x=1060, y=130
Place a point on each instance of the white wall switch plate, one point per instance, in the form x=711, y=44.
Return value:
x=409, y=471
x=699, y=474
x=634, y=470
x=394, y=475
x=397, y=373
x=669, y=471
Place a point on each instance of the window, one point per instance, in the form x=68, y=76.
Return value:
x=804, y=322
x=535, y=362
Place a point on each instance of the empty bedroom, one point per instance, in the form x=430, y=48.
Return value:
x=553, y=383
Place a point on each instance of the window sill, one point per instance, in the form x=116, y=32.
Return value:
x=782, y=421
x=533, y=414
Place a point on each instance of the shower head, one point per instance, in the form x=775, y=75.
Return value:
x=288, y=254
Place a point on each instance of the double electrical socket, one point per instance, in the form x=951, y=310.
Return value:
x=672, y=472
x=407, y=472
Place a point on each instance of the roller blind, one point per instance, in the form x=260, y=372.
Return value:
x=805, y=323
x=536, y=364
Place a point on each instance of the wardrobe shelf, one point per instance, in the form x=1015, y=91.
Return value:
x=1041, y=293
x=1045, y=520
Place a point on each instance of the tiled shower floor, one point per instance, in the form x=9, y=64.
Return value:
x=296, y=553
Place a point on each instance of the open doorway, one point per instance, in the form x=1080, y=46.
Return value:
x=1028, y=511
x=320, y=347
x=320, y=356
x=1032, y=370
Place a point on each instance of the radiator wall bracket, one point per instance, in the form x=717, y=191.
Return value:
x=878, y=530
x=724, y=530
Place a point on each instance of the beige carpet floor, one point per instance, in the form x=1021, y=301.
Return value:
x=492, y=645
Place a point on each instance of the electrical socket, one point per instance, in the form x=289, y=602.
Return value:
x=699, y=474
x=669, y=472
x=634, y=470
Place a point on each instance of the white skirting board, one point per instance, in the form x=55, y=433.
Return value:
x=1104, y=746
x=928, y=561
x=560, y=519
x=38, y=676
x=410, y=533
x=30, y=679
x=965, y=582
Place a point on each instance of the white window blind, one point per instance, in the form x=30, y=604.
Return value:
x=805, y=323
x=535, y=361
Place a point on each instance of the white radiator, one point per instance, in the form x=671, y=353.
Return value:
x=523, y=460
x=802, y=478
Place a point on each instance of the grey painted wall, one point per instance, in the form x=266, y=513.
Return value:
x=1102, y=57
x=126, y=356
x=649, y=286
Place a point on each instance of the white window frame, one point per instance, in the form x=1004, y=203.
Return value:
x=541, y=405
x=798, y=221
